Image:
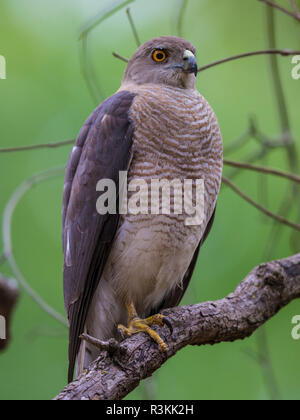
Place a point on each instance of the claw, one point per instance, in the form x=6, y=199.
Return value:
x=137, y=325
x=123, y=332
x=168, y=323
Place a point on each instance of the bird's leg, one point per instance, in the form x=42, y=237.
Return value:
x=137, y=325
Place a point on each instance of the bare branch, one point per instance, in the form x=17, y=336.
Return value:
x=239, y=142
x=7, y=237
x=37, y=146
x=115, y=54
x=133, y=27
x=268, y=213
x=86, y=67
x=180, y=18
x=251, y=54
x=87, y=71
x=297, y=12
x=291, y=198
x=102, y=16
x=279, y=92
x=266, y=290
x=282, y=9
x=266, y=364
x=262, y=169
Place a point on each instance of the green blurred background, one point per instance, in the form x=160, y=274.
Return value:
x=45, y=99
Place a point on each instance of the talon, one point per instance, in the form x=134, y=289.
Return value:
x=137, y=325
x=168, y=323
x=163, y=347
x=123, y=331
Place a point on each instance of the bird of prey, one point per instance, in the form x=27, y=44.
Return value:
x=121, y=270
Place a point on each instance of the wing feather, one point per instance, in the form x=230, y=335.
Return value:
x=103, y=148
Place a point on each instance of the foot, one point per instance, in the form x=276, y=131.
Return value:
x=137, y=325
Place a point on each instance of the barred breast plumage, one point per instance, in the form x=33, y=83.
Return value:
x=177, y=137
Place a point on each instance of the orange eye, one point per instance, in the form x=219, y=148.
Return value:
x=159, y=56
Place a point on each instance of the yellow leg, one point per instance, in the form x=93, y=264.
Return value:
x=137, y=325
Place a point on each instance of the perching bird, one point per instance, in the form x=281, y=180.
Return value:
x=120, y=269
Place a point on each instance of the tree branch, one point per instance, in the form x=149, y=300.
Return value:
x=102, y=16
x=259, y=207
x=266, y=290
x=120, y=57
x=180, y=18
x=250, y=54
x=37, y=146
x=282, y=9
x=133, y=27
x=294, y=6
x=291, y=198
x=9, y=210
x=263, y=170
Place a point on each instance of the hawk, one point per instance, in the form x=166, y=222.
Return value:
x=121, y=270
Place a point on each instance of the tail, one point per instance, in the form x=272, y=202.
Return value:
x=80, y=361
x=73, y=352
x=72, y=361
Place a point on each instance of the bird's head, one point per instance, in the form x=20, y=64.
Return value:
x=165, y=60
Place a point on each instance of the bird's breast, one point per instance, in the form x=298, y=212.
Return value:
x=176, y=138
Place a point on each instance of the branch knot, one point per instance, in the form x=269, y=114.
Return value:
x=273, y=275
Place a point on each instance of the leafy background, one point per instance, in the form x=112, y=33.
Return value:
x=45, y=99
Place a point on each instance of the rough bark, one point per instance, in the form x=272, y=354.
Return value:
x=258, y=298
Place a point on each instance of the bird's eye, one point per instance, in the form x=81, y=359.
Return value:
x=159, y=56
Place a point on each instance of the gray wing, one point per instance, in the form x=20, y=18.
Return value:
x=103, y=148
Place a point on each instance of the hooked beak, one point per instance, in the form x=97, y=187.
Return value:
x=190, y=63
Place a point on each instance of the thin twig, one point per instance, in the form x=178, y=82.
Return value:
x=37, y=146
x=180, y=18
x=262, y=358
x=133, y=27
x=115, y=54
x=257, y=156
x=297, y=12
x=250, y=54
x=292, y=196
x=279, y=92
x=260, y=207
x=266, y=364
x=111, y=345
x=7, y=237
x=43, y=330
x=86, y=68
x=102, y=16
x=87, y=71
x=265, y=143
x=282, y=9
x=263, y=169
x=238, y=143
